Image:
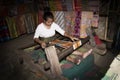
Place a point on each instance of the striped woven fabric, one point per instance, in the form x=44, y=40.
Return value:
x=59, y=18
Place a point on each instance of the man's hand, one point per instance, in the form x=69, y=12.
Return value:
x=74, y=38
x=43, y=45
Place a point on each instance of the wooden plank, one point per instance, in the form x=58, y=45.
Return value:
x=53, y=60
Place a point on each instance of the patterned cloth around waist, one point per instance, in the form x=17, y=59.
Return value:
x=46, y=40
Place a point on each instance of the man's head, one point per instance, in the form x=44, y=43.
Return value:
x=48, y=18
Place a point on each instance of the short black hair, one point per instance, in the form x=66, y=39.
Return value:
x=48, y=15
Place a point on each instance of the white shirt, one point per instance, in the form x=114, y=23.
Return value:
x=42, y=31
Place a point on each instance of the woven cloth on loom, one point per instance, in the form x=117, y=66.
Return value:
x=62, y=43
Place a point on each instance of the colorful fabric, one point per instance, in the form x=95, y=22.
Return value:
x=86, y=18
x=95, y=20
x=77, y=24
x=12, y=27
x=62, y=43
x=69, y=22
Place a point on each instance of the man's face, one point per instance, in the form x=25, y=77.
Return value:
x=48, y=22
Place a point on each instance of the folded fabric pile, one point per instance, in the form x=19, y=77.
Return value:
x=77, y=56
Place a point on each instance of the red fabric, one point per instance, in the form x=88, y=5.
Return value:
x=97, y=40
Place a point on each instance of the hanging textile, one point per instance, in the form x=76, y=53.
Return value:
x=63, y=5
x=77, y=24
x=86, y=17
x=95, y=20
x=77, y=5
x=102, y=27
x=20, y=24
x=4, y=32
x=52, y=5
x=69, y=5
x=12, y=27
x=69, y=22
x=58, y=5
x=59, y=18
x=40, y=14
x=77, y=8
x=29, y=23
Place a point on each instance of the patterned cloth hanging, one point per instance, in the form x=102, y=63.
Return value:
x=12, y=27
x=20, y=24
x=77, y=24
x=4, y=32
x=77, y=8
x=86, y=17
x=58, y=5
x=59, y=18
x=29, y=23
x=69, y=5
x=69, y=22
